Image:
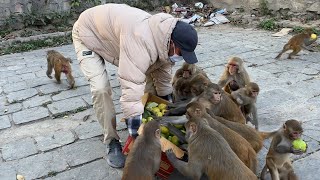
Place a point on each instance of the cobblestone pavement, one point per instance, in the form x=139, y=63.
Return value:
x=48, y=131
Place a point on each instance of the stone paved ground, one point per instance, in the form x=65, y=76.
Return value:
x=48, y=131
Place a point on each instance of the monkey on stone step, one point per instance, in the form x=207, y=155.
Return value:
x=60, y=64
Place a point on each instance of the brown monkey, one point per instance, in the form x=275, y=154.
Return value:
x=187, y=71
x=234, y=75
x=215, y=99
x=198, y=84
x=246, y=97
x=189, y=88
x=60, y=64
x=296, y=43
x=254, y=137
x=280, y=150
x=238, y=144
x=144, y=158
x=181, y=79
x=181, y=90
x=210, y=154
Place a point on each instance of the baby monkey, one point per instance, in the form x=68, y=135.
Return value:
x=297, y=42
x=278, y=157
x=60, y=64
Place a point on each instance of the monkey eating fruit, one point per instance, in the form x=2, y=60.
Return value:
x=299, y=144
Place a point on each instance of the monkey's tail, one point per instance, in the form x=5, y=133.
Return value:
x=267, y=135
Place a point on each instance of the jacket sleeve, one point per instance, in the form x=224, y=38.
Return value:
x=134, y=61
x=162, y=79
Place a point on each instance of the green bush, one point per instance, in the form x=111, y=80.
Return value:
x=268, y=24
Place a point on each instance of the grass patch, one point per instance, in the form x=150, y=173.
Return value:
x=268, y=24
x=18, y=47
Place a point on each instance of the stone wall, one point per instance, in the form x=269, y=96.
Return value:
x=14, y=7
x=300, y=6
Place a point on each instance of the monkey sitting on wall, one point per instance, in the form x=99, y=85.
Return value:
x=60, y=64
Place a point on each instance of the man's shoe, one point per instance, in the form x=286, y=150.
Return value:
x=115, y=157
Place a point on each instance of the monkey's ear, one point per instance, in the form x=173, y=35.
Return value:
x=284, y=126
x=193, y=127
x=157, y=133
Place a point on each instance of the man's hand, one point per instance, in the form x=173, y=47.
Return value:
x=133, y=124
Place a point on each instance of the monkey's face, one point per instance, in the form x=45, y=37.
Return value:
x=293, y=129
x=186, y=74
x=216, y=97
x=254, y=93
x=295, y=135
x=232, y=68
x=191, y=129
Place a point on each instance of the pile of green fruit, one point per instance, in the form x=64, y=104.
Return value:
x=154, y=109
x=171, y=137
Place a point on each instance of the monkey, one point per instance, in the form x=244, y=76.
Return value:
x=240, y=146
x=297, y=43
x=181, y=90
x=254, y=137
x=181, y=81
x=215, y=99
x=60, y=64
x=308, y=42
x=246, y=97
x=209, y=154
x=198, y=84
x=234, y=75
x=187, y=71
x=144, y=158
x=280, y=149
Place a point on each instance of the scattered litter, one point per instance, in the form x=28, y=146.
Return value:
x=20, y=177
x=199, y=5
x=6, y=110
x=283, y=32
x=219, y=19
x=65, y=117
x=222, y=11
x=198, y=15
x=209, y=23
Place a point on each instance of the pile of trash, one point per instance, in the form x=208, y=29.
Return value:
x=199, y=14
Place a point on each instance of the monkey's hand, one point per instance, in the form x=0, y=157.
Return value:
x=296, y=151
x=170, y=155
x=239, y=101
